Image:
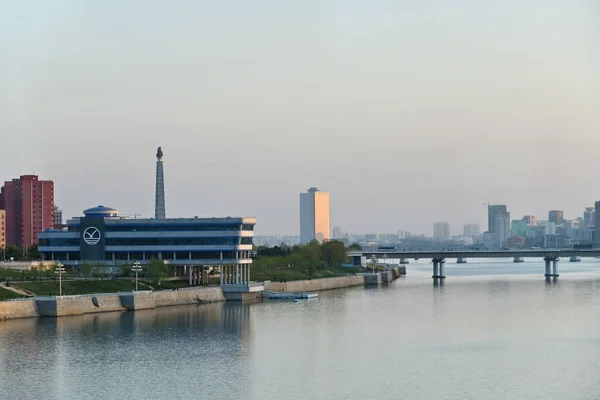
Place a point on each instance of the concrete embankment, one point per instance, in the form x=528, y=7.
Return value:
x=87, y=304
x=314, y=285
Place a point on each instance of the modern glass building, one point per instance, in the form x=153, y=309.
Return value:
x=101, y=236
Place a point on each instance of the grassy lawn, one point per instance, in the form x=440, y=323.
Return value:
x=78, y=287
x=261, y=273
x=171, y=285
x=7, y=294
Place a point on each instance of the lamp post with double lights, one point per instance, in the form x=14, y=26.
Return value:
x=373, y=260
x=137, y=267
x=60, y=269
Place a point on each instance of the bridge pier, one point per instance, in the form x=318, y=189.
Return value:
x=461, y=260
x=551, y=262
x=518, y=260
x=438, y=268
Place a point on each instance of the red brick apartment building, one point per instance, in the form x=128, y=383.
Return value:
x=29, y=206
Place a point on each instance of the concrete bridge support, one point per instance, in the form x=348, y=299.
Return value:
x=438, y=268
x=518, y=260
x=551, y=267
x=461, y=260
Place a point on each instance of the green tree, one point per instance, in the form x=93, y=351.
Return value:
x=354, y=247
x=86, y=268
x=156, y=269
x=312, y=251
x=333, y=253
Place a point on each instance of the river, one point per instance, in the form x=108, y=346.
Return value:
x=494, y=330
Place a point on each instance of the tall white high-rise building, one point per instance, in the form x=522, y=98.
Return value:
x=159, y=200
x=314, y=216
x=441, y=231
x=58, y=218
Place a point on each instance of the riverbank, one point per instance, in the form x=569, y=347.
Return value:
x=51, y=306
x=315, y=285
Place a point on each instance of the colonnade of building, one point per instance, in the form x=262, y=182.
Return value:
x=230, y=274
x=236, y=274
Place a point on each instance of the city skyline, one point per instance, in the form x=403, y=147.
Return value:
x=457, y=114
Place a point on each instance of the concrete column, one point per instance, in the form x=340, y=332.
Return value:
x=190, y=275
x=237, y=274
x=435, y=268
x=555, y=268
x=547, y=261
x=442, y=263
x=221, y=275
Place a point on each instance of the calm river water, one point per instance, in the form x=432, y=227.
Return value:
x=494, y=330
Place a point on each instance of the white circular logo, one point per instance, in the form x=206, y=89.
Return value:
x=91, y=235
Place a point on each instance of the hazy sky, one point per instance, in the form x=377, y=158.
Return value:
x=407, y=112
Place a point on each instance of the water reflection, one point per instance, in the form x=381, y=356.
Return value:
x=76, y=353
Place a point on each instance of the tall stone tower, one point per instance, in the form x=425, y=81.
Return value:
x=159, y=201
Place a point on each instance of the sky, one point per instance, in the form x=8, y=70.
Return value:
x=407, y=112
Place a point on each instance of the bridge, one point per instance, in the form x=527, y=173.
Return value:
x=438, y=257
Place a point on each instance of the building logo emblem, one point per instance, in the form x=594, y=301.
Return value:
x=91, y=235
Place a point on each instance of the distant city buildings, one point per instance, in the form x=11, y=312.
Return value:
x=314, y=216
x=556, y=216
x=29, y=206
x=529, y=219
x=518, y=228
x=471, y=230
x=493, y=211
x=502, y=227
x=595, y=234
x=441, y=231
x=337, y=233
x=58, y=217
x=2, y=229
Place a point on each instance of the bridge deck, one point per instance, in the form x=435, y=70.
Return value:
x=439, y=254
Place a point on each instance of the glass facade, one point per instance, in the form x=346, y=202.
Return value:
x=130, y=248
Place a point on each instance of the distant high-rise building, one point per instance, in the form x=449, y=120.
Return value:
x=441, y=231
x=159, y=200
x=29, y=206
x=556, y=216
x=502, y=227
x=518, y=227
x=314, y=216
x=337, y=233
x=2, y=229
x=58, y=217
x=597, y=224
x=529, y=219
x=493, y=211
x=470, y=230
x=589, y=216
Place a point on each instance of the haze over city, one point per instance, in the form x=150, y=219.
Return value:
x=406, y=113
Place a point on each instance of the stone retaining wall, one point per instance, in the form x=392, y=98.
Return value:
x=79, y=305
x=18, y=309
x=315, y=284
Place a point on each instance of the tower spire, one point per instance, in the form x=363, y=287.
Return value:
x=159, y=200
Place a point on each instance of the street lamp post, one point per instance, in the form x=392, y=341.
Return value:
x=59, y=270
x=137, y=267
